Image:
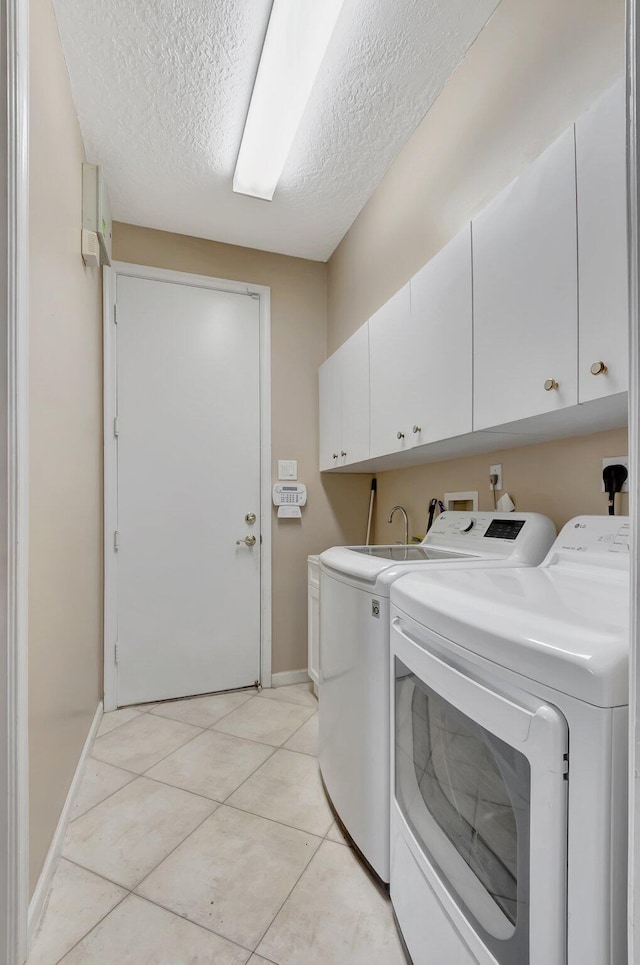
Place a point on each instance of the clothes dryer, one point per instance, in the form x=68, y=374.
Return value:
x=509, y=757
x=354, y=653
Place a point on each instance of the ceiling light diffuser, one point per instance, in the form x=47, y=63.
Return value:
x=297, y=38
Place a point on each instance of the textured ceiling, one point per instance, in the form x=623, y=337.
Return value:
x=162, y=89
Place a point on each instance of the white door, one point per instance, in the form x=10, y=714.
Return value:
x=354, y=391
x=525, y=293
x=330, y=392
x=188, y=396
x=602, y=247
x=442, y=314
x=393, y=361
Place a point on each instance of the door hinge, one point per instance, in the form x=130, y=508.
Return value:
x=565, y=763
x=115, y=314
x=117, y=651
x=116, y=541
x=116, y=428
x=254, y=294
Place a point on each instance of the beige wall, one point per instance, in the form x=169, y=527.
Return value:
x=560, y=479
x=65, y=547
x=336, y=510
x=535, y=67
x=533, y=70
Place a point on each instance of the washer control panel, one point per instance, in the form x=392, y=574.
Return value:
x=502, y=526
x=588, y=536
x=524, y=538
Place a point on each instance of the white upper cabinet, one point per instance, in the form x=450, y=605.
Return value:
x=330, y=430
x=355, y=398
x=344, y=403
x=394, y=363
x=525, y=290
x=440, y=392
x=603, y=354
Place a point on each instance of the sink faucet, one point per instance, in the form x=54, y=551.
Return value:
x=402, y=510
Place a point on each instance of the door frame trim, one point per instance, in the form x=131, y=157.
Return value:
x=263, y=294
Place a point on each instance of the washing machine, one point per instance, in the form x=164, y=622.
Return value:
x=354, y=653
x=509, y=757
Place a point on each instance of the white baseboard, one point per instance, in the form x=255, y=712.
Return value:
x=41, y=893
x=286, y=677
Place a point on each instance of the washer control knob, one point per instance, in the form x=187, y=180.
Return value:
x=466, y=525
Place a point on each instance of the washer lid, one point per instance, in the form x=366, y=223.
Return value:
x=567, y=628
x=368, y=562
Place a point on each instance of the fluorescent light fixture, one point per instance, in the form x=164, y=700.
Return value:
x=297, y=38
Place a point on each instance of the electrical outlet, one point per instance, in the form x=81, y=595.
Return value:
x=497, y=471
x=616, y=461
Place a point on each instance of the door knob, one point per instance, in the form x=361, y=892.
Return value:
x=598, y=368
x=249, y=540
x=417, y=429
x=550, y=384
x=343, y=454
x=250, y=518
x=400, y=435
x=335, y=455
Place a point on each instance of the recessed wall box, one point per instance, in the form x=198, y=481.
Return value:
x=96, y=213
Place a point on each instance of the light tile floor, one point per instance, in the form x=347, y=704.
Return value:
x=201, y=834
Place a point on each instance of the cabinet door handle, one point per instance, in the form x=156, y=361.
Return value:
x=550, y=384
x=335, y=455
x=343, y=454
x=400, y=435
x=598, y=368
x=417, y=429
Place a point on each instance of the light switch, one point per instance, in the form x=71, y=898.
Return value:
x=287, y=468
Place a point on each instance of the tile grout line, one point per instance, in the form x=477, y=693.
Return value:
x=145, y=774
x=201, y=730
x=284, y=699
x=134, y=776
x=99, y=922
x=117, y=726
x=98, y=874
x=144, y=878
x=209, y=931
x=282, y=824
x=303, y=724
x=288, y=895
x=206, y=726
x=255, y=740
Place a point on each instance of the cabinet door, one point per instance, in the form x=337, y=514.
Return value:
x=330, y=412
x=440, y=396
x=354, y=384
x=602, y=247
x=525, y=293
x=392, y=357
x=313, y=633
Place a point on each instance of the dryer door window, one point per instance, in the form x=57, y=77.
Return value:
x=466, y=795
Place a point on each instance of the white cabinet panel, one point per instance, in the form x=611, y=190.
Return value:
x=330, y=412
x=354, y=364
x=344, y=403
x=525, y=293
x=393, y=362
x=313, y=619
x=439, y=398
x=602, y=246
